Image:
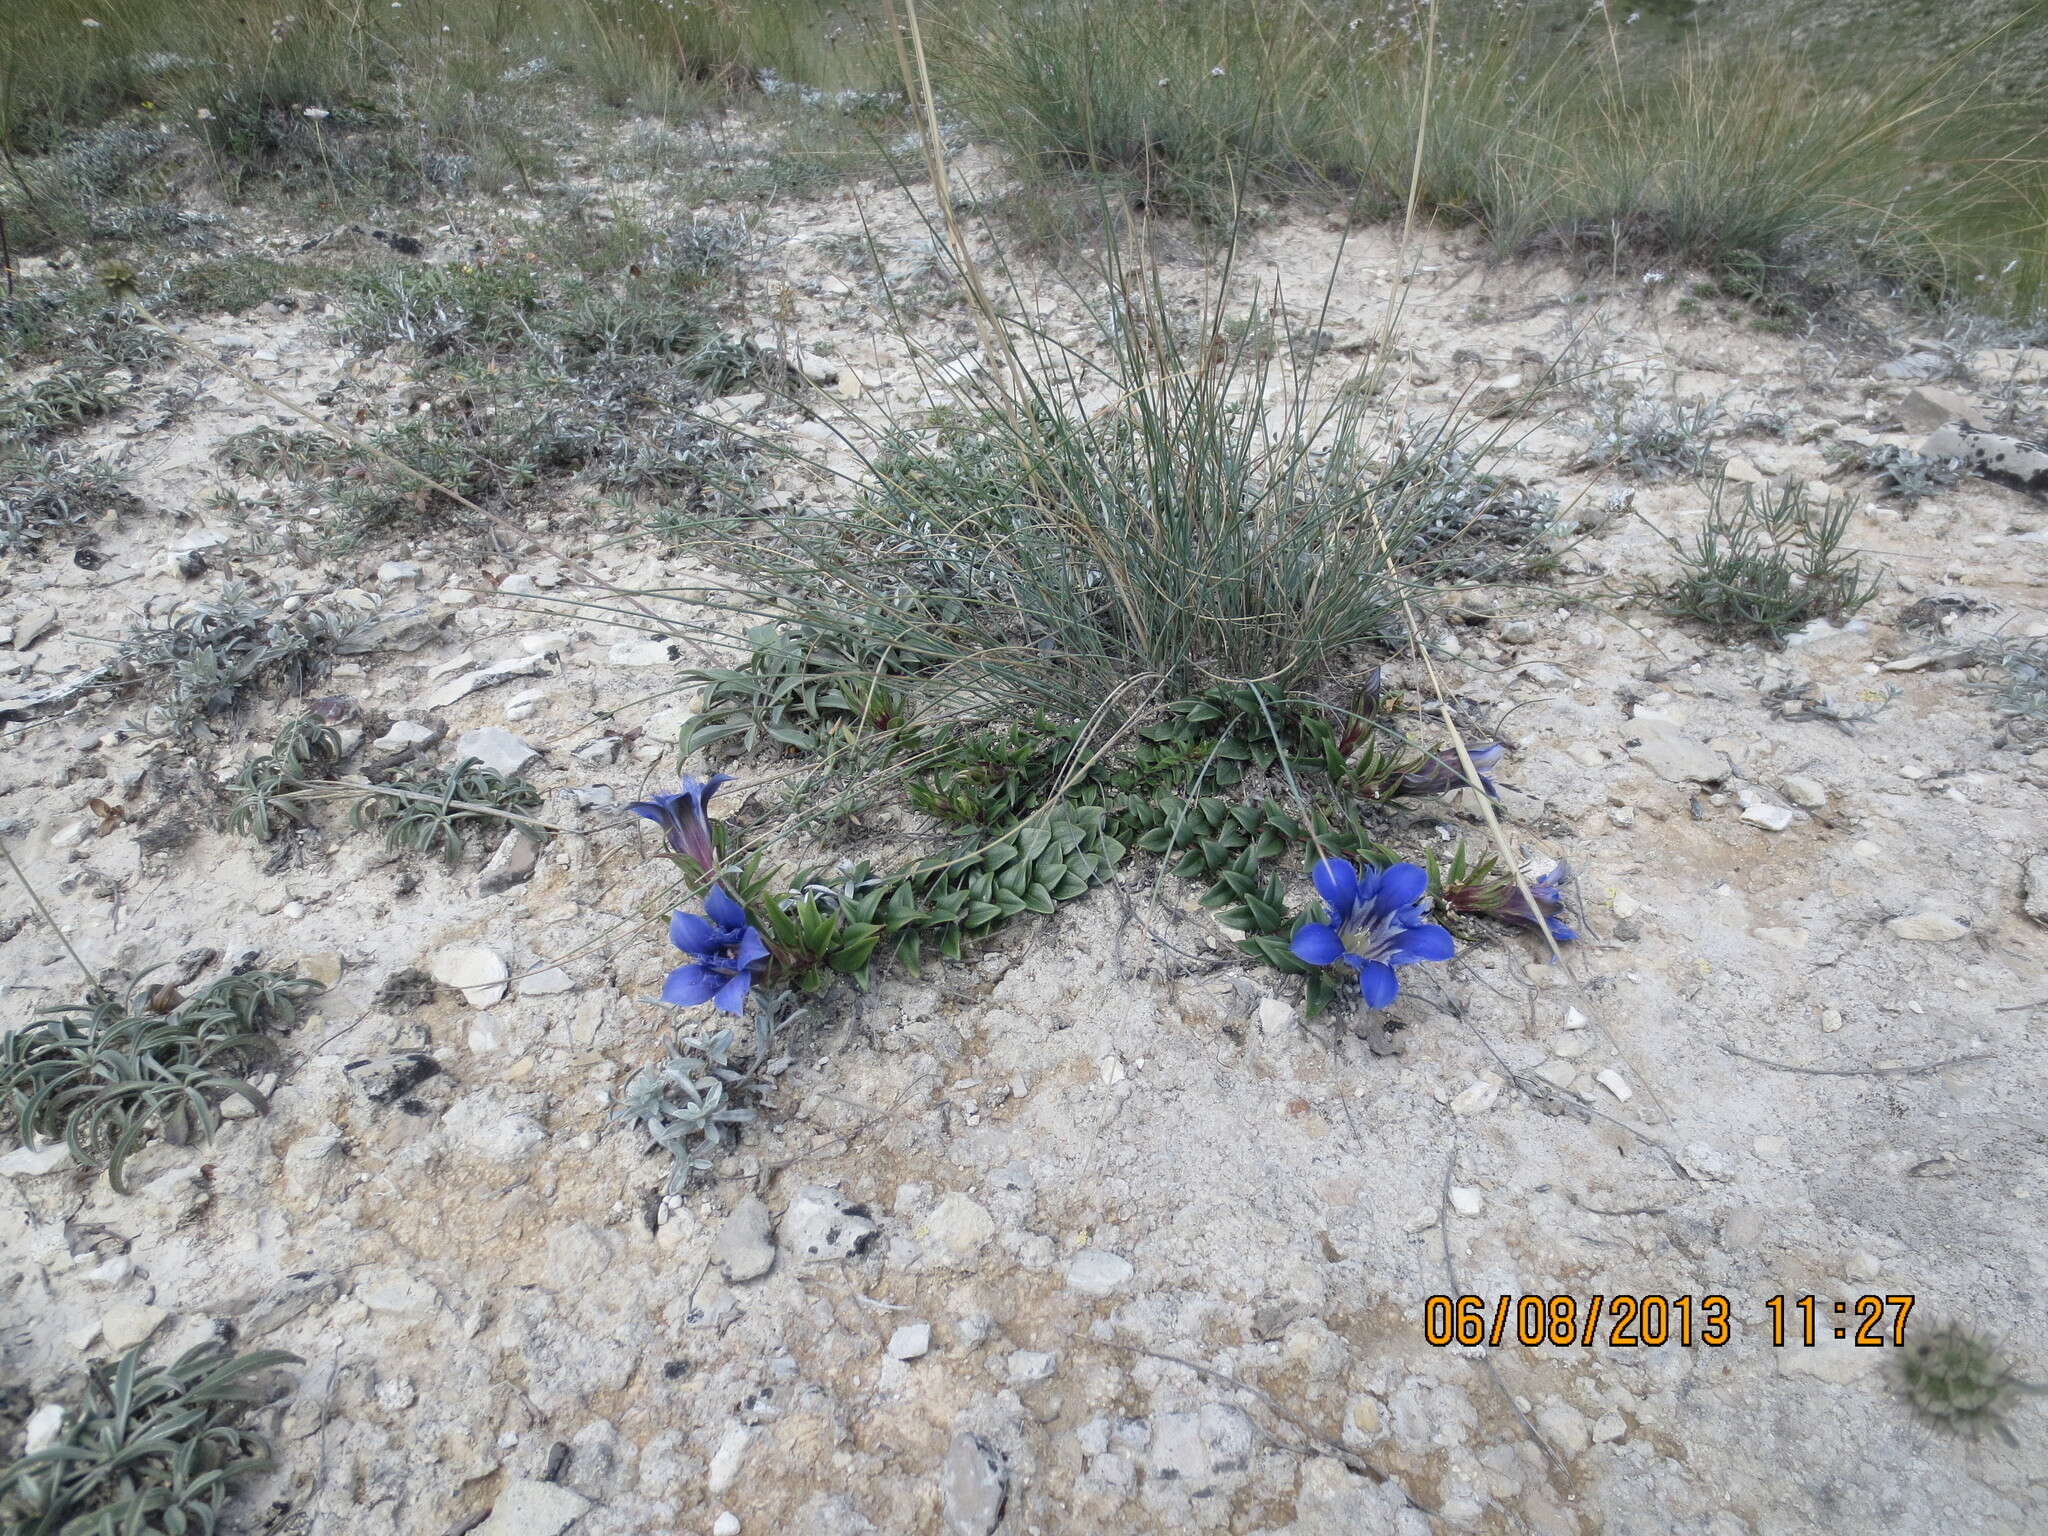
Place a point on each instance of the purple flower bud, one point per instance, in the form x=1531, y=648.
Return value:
x=682, y=816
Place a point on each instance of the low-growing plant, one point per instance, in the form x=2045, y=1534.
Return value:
x=1900, y=473
x=269, y=792
x=2021, y=693
x=105, y=1075
x=1650, y=438
x=1765, y=564
x=692, y=1103
x=45, y=492
x=1961, y=1381
x=151, y=1448
x=204, y=661
x=437, y=813
x=67, y=398
x=796, y=688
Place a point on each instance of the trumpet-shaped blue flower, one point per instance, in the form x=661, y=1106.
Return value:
x=1548, y=892
x=725, y=951
x=1441, y=772
x=1378, y=920
x=684, y=818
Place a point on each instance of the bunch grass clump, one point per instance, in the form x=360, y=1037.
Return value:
x=1792, y=170
x=151, y=1448
x=1187, y=514
x=106, y=1075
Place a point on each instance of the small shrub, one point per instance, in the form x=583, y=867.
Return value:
x=1772, y=563
x=156, y=1448
x=107, y=1074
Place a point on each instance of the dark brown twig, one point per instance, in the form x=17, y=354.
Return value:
x=1316, y=1437
x=1928, y=1066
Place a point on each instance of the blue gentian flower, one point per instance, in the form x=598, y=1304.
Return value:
x=1378, y=920
x=682, y=816
x=725, y=951
x=1441, y=772
x=1548, y=891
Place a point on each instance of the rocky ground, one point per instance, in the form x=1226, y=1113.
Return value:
x=1094, y=1231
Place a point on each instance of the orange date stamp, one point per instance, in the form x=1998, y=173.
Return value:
x=1628, y=1320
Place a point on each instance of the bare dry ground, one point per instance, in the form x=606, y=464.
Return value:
x=1173, y=1243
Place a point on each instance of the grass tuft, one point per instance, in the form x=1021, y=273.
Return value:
x=1738, y=155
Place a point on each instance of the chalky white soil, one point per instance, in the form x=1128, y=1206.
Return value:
x=1172, y=1243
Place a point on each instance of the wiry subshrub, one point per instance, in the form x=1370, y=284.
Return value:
x=1768, y=564
x=1650, y=438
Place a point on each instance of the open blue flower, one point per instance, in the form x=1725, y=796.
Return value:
x=725, y=951
x=683, y=817
x=1378, y=920
x=1441, y=772
x=1548, y=892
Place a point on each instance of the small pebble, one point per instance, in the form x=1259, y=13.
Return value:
x=727, y=1524
x=1614, y=1083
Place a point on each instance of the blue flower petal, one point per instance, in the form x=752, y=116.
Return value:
x=1336, y=881
x=1401, y=885
x=692, y=935
x=723, y=910
x=732, y=997
x=1427, y=942
x=1317, y=944
x=1378, y=984
x=1563, y=933
x=689, y=985
x=753, y=950
x=699, y=791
